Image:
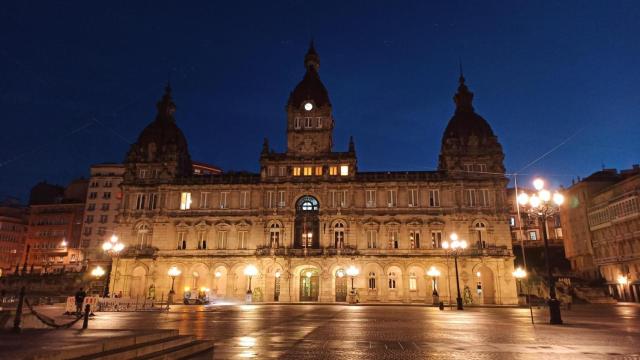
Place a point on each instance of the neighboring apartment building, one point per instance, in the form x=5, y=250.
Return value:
x=602, y=229
x=54, y=226
x=526, y=230
x=309, y=214
x=103, y=200
x=13, y=231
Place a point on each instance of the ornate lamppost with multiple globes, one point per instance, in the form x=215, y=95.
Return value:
x=455, y=248
x=544, y=205
x=352, y=272
x=173, y=273
x=113, y=247
x=250, y=271
x=434, y=273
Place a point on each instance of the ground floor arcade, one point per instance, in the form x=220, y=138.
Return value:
x=483, y=280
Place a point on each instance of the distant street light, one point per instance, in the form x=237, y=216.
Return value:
x=519, y=273
x=173, y=273
x=113, y=247
x=250, y=271
x=97, y=272
x=623, y=280
x=455, y=248
x=543, y=205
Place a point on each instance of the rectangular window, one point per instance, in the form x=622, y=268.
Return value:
x=270, y=200
x=470, y=197
x=296, y=171
x=483, y=197
x=244, y=199
x=282, y=171
x=533, y=235
x=297, y=125
x=558, y=233
x=91, y=207
x=106, y=195
x=281, y=202
x=319, y=121
x=89, y=219
x=333, y=198
x=372, y=239
x=413, y=283
x=394, y=243
x=104, y=219
x=414, y=239
x=308, y=171
x=204, y=200
x=223, y=199
x=93, y=195
x=318, y=171
x=413, y=197
x=142, y=173
x=222, y=240
x=468, y=167
x=242, y=239
x=371, y=198
x=434, y=198
x=185, y=201
x=182, y=240
x=333, y=170
x=392, y=198
x=271, y=171
x=344, y=170
x=105, y=206
x=436, y=239
x=140, y=200
x=202, y=240
x=307, y=122
x=512, y=221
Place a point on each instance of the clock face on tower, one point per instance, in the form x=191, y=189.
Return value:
x=308, y=106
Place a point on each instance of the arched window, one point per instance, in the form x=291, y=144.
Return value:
x=392, y=280
x=413, y=281
x=338, y=235
x=144, y=235
x=372, y=281
x=182, y=240
x=274, y=235
x=481, y=235
x=307, y=223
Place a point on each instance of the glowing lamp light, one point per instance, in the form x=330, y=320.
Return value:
x=623, y=280
x=478, y=274
x=544, y=195
x=107, y=246
x=114, y=238
x=308, y=274
x=433, y=272
x=352, y=271
x=250, y=270
x=278, y=274
x=174, y=271
x=118, y=247
x=64, y=243
x=308, y=106
x=534, y=201
x=218, y=274
x=523, y=199
x=187, y=289
x=445, y=244
x=558, y=199
x=538, y=184
x=98, y=271
x=519, y=273
x=340, y=273
x=453, y=236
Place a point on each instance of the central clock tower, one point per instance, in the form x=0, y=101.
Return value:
x=309, y=118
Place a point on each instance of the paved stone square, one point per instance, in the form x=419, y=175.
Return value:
x=396, y=332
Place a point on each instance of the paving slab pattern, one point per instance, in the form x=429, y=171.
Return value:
x=395, y=332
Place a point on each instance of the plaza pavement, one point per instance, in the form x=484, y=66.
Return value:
x=311, y=331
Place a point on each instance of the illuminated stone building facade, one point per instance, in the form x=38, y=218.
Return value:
x=310, y=213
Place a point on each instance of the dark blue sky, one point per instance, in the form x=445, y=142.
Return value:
x=79, y=81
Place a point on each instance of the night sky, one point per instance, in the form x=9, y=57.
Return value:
x=79, y=81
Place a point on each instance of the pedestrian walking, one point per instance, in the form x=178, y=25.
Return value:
x=80, y=295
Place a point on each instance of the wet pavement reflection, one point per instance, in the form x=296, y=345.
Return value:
x=396, y=332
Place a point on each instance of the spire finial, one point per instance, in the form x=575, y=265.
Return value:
x=311, y=59
x=461, y=78
x=352, y=145
x=463, y=98
x=165, y=106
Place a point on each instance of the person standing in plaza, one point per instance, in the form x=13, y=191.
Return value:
x=80, y=295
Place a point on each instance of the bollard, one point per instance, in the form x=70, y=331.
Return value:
x=441, y=306
x=18, y=319
x=87, y=310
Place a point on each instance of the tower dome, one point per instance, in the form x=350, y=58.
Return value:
x=161, y=149
x=311, y=87
x=468, y=143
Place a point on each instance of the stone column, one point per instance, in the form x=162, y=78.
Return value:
x=383, y=287
x=285, y=284
x=406, y=298
x=325, y=287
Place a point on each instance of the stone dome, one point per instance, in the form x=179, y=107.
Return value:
x=311, y=87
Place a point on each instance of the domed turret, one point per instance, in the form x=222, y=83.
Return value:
x=161, y=150
x=311, y=87
x=468, y=143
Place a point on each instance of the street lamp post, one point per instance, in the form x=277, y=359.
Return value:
x=455, y=248
x=434, y=273
x=97, y=272
x=250, y=271
x=544, y=205
x=352, y=272
x=519, y=273
x=113, y=247
x=173, y=273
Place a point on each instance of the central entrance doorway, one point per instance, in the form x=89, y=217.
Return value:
x=341, y=286
x=309, y=285
x=307, y=223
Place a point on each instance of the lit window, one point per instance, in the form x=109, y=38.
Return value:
x=344, y=170
x=296, y=171
x=333, y=170
x=308, y=171
x=185, y=201
x=413, y=281
x=533, y=235
x=318, y=170
x=512, y=221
